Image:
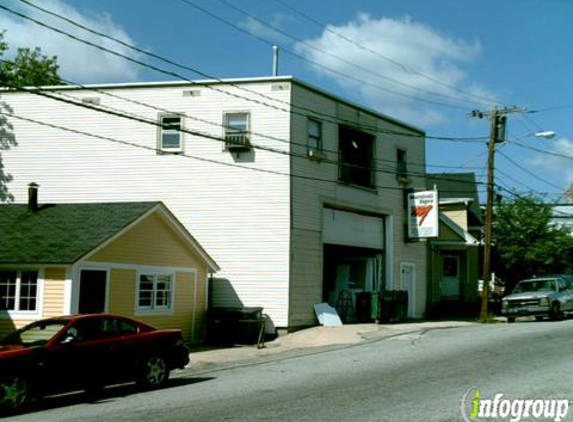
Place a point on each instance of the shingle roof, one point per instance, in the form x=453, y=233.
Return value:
x=63, y=233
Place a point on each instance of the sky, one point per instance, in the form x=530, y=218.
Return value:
x=427, y=63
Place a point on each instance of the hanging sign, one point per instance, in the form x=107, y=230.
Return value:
x=423, y=218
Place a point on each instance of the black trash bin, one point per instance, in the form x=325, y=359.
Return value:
x=401, y=298
x=236, y=325
x=363, y=307
x=392, y=306
x=386, y=306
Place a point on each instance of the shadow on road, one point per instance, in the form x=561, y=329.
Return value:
x=107, y=395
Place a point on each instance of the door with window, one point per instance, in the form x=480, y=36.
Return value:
x=450, y=284
x=93, y=288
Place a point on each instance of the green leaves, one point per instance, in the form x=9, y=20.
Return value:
x=528, y=243
x=28, y=68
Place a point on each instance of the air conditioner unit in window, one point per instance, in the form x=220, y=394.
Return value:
x=316, y=155
x=237, y=142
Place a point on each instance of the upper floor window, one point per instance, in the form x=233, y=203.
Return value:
x=170, y=138
x=237, y=127
x=314, y=135
x=356, y=155
x=401, y=163
x=19, y=291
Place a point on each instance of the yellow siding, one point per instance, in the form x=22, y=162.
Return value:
x=52, y=301
x=122, y=292
x=152, y=242
x=187, y=317
x=189, y=307
x=54, y=292
x=458, y=216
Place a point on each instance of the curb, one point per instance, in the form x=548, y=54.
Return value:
x=287, y=347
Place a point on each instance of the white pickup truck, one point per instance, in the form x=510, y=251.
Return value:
x=539, y=297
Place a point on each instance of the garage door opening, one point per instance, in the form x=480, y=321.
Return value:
x=351, y=269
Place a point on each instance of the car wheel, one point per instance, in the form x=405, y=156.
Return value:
x=555, y=312
x=154, y=373
x=14, y=393
x=510, y=319
x=539, y=318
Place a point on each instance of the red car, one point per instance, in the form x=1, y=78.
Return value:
x=85, y=352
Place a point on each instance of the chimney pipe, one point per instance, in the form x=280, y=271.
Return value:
x=33, y=197
x=275, y=60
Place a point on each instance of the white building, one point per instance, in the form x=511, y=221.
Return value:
x=296, y=193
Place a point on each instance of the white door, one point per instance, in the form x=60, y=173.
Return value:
x=408, y=283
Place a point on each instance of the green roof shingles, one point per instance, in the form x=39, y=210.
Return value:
x=62, y=233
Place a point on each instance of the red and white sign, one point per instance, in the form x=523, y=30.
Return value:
x=423, y=218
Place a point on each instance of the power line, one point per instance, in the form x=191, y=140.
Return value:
x=555, y=154
x=402, y=66
x=555, y=108
x=528, y=171
x=120, y=113
x=514, y=180
x=337, y=57
x=320, y=65
x=313, y=112
x=218, y=125
x=182, y=155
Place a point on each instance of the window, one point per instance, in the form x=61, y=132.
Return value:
x=170, y=138
x=314, y=135
x=237, y=128
x=401, y=163
x=155, y=292
x=19, y=291
x=356, y=153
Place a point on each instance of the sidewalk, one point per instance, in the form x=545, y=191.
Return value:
x=308, y=341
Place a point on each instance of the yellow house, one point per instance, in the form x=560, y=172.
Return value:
x=134, y=259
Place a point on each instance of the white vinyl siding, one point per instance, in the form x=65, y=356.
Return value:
x=244, y=209
x=242, y=220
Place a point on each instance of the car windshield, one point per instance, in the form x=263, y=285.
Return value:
x=35, y=334
x=535, y=286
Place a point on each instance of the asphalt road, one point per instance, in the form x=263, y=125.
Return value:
x=413, y=377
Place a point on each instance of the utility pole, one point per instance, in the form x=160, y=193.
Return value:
x=489, y=215
x=496, y=135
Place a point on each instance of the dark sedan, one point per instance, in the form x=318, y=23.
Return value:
x=85, y=352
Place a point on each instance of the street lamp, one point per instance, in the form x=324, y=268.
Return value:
x=497, y=135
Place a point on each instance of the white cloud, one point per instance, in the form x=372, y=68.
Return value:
x=78, y=62
x=557, y=162
x=421, y=59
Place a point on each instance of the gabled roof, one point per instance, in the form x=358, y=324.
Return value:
x=465, y=236
x=457, y=186
x=65, y=233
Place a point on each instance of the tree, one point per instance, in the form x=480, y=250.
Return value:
x=28, y=68
x=528, y=243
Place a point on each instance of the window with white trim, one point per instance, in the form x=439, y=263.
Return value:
x=19, y=291
x=237, y=129
x=155, y=292
x=170, y=138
